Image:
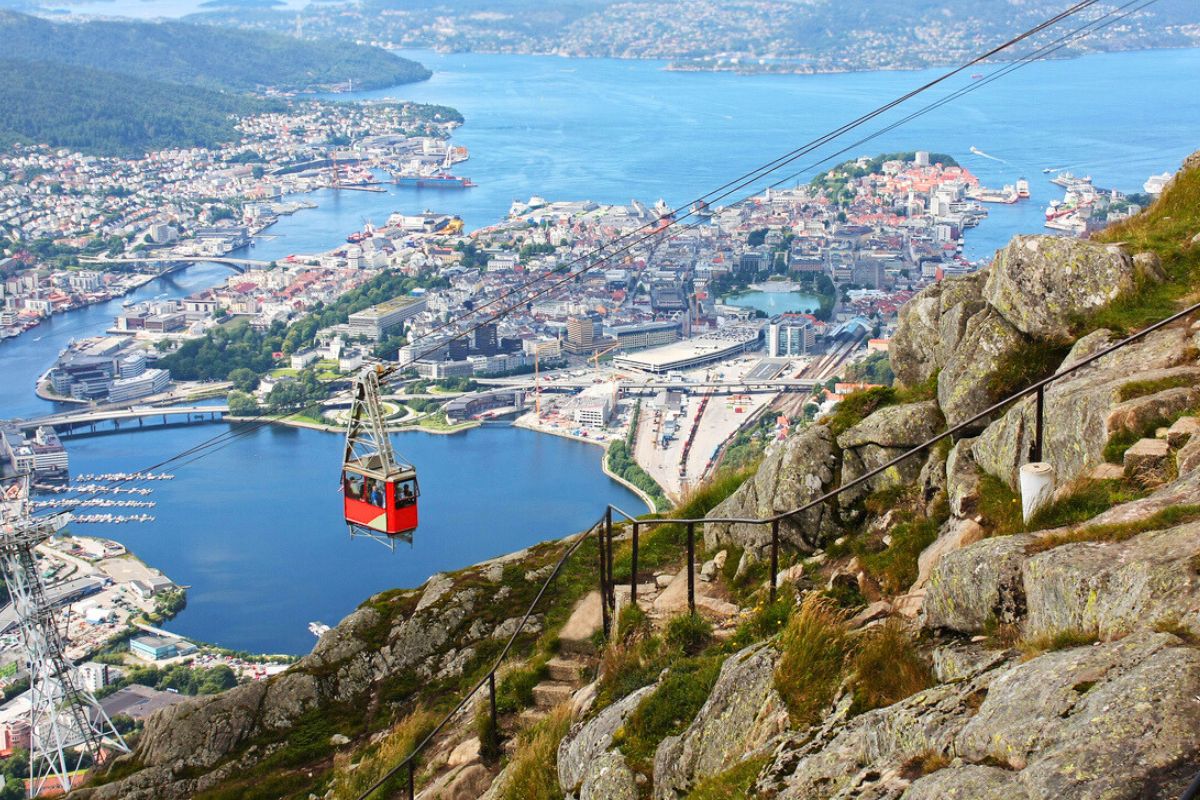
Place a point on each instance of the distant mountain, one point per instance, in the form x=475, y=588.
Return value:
x=202, y=55
x=787, y=35
x=109, y=114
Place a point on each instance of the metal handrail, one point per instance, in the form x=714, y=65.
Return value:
x=603, y=528
x=490, y=678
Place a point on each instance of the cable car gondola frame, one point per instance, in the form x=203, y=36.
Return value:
x=379, y=493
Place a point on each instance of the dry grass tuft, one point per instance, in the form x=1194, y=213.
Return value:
x=351, y=780
x=814, y=647
x=533, y=772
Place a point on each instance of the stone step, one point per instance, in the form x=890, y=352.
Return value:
x=1147, y=462
x=576, y=635
x=565, y=670
x=549, y=694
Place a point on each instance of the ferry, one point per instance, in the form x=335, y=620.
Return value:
x=1022, y=188
x=442, y=180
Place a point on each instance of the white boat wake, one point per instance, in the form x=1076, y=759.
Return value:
x=981, y=154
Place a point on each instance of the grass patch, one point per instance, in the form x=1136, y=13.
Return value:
x=768, y=620
x=999, y=506
x=857, y=406
x=1173, y=626
x=813, y=648
x=734, y=783
x=689, y=633
x=1024, y=366
x=924, y=764
x=352, y=779
x=1165, y=228
x=668, y=710
x=887, y=667
x=515, y=689
x=1062, y=640
x=1085, y=499
x=626, y=667
x=1118, y=531
x=1135, y=389
x=895, y=567
x=533, y=772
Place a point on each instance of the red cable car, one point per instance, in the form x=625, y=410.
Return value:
x=379, y=501
x=379, y=494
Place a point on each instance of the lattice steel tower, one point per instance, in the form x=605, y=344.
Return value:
x=67, y=726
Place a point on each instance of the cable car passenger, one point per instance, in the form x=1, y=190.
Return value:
x=354, y=485
x=405, y=496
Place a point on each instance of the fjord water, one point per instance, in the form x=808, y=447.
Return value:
x=256, y=531
x=254, y=528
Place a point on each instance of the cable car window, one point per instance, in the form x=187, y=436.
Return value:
x=354, y=485
x=406, y=493
x=374, y=492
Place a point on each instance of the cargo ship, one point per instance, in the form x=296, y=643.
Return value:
x=442, y=180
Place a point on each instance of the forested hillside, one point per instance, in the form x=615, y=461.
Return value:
x=99, y=112
x=205, y=56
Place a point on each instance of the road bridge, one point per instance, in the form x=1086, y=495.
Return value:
x=236, y=264
x=69, y=421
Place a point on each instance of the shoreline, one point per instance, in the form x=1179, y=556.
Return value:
x=645, y=498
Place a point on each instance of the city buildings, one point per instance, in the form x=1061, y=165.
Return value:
x=377, y=322
x=790, y=335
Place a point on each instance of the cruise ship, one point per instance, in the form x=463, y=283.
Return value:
x=441, y=180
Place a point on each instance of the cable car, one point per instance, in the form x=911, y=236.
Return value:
x=379, y=494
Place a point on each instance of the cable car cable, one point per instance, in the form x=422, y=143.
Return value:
x=600, y=257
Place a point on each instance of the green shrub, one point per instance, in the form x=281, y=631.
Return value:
x=690, y=634
x=814, y=648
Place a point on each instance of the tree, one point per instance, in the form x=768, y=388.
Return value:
x=243, y=379
x=242, y=405
x=757, y=237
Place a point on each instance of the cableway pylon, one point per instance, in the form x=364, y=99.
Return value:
x=68, y=729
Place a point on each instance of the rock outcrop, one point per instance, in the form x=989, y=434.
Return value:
x=1042, y=285
x=742, y=713
x=587, y=741
x=880, y=438
x=1117, y=720
x=799, y=471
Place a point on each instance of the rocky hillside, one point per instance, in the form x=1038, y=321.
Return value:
x=926, y=642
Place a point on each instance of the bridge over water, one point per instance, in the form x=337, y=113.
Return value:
x=236, y=264
x=70, y=422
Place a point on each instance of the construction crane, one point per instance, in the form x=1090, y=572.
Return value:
x=537, y=374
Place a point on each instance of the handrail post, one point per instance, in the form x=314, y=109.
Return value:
x=633, y=575
x=412, y=791
x=774, y=556
x=691, y=566
x=494, y=733
x=603, y=582
x=1039, y=415
x=612, y=575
